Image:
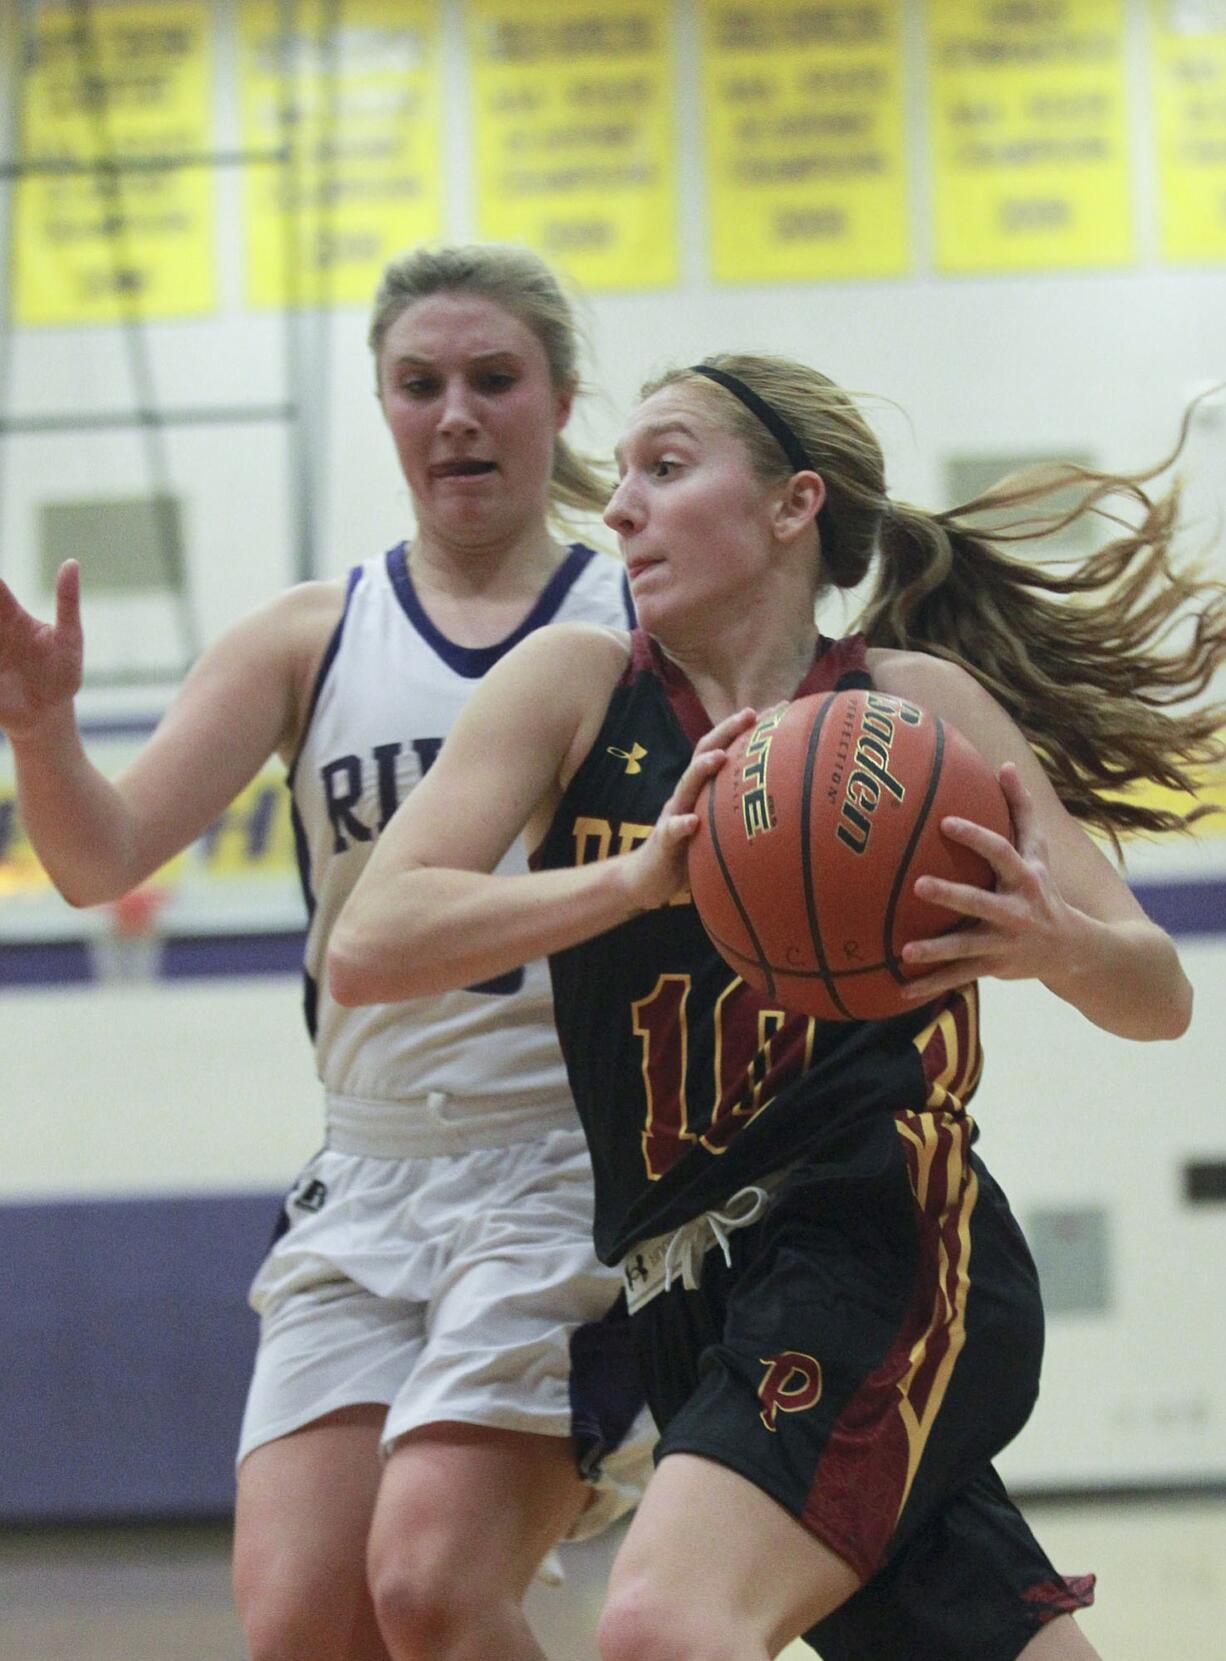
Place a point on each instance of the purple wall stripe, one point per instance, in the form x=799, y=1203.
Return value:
x=128, y=1346
x=1185, y=909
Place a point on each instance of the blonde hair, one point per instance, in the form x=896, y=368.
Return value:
x=520, y=282
x=1082, y=653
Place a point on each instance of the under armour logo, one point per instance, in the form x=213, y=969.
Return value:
x=793, y=1382
x=636, y=1270
x=631, y=757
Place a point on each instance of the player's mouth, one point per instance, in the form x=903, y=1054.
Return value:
x=637, y=564
x=463, y=467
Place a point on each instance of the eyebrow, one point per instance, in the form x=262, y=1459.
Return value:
x=657, y=429
x=416, y=359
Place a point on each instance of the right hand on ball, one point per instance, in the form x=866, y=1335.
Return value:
x=40, y=663
x=656, y=871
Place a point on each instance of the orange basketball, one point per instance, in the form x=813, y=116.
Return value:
x=810, y=839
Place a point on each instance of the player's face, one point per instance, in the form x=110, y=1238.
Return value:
x=690, y=514
x=473, y=412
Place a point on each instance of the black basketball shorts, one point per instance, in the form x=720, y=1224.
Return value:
x=869, y=1350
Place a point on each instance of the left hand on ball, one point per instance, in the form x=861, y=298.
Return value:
x=1019, y=930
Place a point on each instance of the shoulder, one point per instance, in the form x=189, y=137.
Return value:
x=307, y=611
x=288, y=636
x=594, y=649
x=951, y=692
x=557, y=682
x=570, y=668
x=313, y=603
x=932, y=682
x=293, y=625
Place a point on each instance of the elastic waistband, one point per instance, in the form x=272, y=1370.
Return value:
x=652, y=1266
x=426, y=1126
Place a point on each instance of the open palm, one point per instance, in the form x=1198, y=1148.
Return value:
x=40, y=663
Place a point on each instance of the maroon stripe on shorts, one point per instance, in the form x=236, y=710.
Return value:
x=869, y=1463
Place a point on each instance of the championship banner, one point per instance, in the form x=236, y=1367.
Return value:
x=129, y=86
x=573, y=106
x=1029, y=135
x=353, y=98
x=1188, y=65
x=805, y=139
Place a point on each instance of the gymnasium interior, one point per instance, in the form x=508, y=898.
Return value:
x=1001, y=225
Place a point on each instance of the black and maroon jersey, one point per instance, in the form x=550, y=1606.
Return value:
x=689, y=1083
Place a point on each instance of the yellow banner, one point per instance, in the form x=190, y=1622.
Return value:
x=805, y=118
x=253, y=838
x=129, y=85
x=353, y=97
x=1029, y=134
x=573, y=105
x=1188, y=65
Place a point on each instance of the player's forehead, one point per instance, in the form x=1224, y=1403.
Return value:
x=443, y=329
x=672, y=412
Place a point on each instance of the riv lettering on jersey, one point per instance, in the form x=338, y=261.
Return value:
x=344, y=784
x=345, y=781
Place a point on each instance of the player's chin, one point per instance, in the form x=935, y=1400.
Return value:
x=657, y=611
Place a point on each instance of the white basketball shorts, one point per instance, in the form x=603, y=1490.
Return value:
x=459, y=1287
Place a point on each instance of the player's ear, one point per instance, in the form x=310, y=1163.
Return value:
x=799, y=504
x=563, y=404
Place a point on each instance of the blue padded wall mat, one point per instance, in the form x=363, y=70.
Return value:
x=127, y=1346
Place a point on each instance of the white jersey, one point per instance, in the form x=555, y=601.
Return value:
x=388, y=690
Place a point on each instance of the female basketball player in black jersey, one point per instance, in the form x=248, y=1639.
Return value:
x=836, y=1315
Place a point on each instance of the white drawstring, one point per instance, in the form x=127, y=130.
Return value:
x=692, y=1241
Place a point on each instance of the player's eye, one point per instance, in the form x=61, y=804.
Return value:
x=664, y=467
x=419, y=386
x=495, y=380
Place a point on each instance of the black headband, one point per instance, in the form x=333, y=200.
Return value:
x=770, y=418
x=779, y=430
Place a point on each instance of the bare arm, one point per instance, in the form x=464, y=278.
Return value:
x=428, y=912
x=242, y=701
x=1061, y=913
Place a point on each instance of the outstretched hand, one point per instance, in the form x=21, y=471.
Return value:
x=1019, y=930
x=656, y=870
x=40, y=663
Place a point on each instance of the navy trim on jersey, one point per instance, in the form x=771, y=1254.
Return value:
x=326, y=662
x=474, y=661
x=302, y=851
x=310, y=1012
x=302, y=856
x=632, y=616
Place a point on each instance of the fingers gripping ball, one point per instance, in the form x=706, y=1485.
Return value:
x=811, y=837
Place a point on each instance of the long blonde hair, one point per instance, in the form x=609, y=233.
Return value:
x=1090, y=657
x=520, y=282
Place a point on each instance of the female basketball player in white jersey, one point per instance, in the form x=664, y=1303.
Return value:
x=437, y=1399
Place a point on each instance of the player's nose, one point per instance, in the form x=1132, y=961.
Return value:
x=457, y=414
x=624, y=513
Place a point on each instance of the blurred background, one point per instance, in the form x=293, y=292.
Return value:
x=1004, y=224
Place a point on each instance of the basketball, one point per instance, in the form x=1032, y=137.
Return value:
x=811, y=836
